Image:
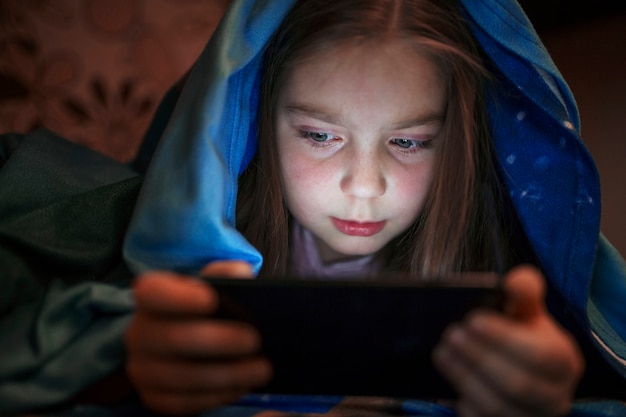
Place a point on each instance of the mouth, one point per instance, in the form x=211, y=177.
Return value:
x=353, y=228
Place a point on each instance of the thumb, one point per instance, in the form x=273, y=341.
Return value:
x=525, y=289
x=231, y=269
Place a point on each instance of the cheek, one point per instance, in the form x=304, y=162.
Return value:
x=412, y=185
x=305, y=182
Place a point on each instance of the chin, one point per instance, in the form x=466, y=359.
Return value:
x=350, y=249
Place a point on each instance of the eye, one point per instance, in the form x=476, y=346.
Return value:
x=411, y=143
x=317, y=136
x=404, y=143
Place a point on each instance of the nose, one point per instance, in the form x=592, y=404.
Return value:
x=363, y=177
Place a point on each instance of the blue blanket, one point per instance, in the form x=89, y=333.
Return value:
x=292, y=406
x=62, y=327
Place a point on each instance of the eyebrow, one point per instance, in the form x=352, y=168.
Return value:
x=306, y=110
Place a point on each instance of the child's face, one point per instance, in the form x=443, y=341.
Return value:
x=357, y=131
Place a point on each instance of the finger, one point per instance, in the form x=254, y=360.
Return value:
x=513, y=382
x=543, y=347
x=491, y=385
x=192, y=376
x=482, y=400
x=524, y=289
x=470, y=387
x=203, y=338
x=232, y=269
x=168, y=293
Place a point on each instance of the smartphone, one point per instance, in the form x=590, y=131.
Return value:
x=354, y=337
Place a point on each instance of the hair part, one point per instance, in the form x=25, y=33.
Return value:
x=457, y=229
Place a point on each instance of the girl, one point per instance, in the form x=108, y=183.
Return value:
x=333, y=138
x=374, y=153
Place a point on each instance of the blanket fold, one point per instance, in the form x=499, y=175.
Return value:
x=64, y=296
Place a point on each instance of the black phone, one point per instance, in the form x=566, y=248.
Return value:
x=354, y=337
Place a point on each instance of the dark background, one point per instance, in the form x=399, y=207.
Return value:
x=549, y=15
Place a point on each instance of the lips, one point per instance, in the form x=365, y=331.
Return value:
x=353, y=228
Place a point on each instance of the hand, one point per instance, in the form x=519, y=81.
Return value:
x=182, y=361
x=517, y=364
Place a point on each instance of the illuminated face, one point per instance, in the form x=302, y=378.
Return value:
x=357, y=129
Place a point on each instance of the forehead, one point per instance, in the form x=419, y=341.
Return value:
x=392, y=74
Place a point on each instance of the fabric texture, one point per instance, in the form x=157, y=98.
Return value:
x=291, y=406
x=64, y=296
x=185, y=215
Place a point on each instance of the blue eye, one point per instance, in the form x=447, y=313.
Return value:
x=412, y=143
x=318, y=136
x=405, y=143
